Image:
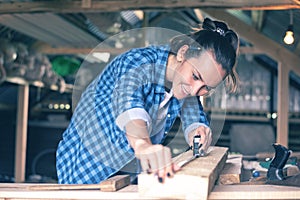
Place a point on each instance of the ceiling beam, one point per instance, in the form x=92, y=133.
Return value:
x=257, y=17
x=70, y=50
x=49, y=50
x=62, y=6
x=46, y=49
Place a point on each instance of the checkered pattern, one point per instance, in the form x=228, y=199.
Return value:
x=93, y=146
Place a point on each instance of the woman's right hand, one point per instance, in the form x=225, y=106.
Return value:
x=156, y=159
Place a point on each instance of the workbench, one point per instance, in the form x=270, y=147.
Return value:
x=19, y=191
x=227, y=185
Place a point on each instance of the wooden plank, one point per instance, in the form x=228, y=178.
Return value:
x=110, y=185
x=195, y=181
x=21, y=133
x=254, y=192
x=67, y=195
x=282, y=105
x=231, y=173
x=115, y=183
x=131, y=192
x=21, y=191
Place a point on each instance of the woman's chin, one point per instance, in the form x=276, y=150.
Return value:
x=180, y=96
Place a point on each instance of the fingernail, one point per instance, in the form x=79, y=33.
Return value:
x=202, y=153
x=160, y=179
x=168, y=174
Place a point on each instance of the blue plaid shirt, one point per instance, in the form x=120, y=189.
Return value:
x=94, y=146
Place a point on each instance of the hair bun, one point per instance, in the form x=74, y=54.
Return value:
x=208, y=24
x=232, y=39
x=222, y=29
x=215, y=26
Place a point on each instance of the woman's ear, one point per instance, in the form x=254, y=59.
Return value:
x=181, y=53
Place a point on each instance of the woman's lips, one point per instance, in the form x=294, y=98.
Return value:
x=184, y=90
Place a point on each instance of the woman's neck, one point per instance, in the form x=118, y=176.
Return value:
x=171, y=67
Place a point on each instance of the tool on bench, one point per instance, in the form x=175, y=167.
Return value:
x=275, y=171
x=196, y=151
x=275, y=175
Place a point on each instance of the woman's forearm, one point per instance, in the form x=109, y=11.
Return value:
x=137, y=134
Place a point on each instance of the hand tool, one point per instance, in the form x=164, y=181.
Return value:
x=275, y=174
x=275, y=171
x=196, y=152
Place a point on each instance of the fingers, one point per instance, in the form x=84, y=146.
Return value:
x=175, y=167
x=157, y=160
x=206, y=138
x=169, y=167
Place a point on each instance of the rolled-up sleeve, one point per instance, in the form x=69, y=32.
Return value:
x=128, y=97
x=131, y=114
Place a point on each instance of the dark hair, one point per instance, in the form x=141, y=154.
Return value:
x=214, y=36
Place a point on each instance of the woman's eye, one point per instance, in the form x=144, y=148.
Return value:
x=195, y=77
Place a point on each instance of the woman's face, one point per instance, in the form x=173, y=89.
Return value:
x=197, y=76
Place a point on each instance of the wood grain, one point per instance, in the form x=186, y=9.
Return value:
x=195, y=181
x=110, y=185
x=131, y=192
x=254, y=192
x=231, y=173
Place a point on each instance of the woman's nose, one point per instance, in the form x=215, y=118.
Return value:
x=197, y=87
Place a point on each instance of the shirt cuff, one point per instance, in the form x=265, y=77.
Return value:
x=191, y=128
x=131, y=114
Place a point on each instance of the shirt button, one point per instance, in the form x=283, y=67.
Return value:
x=169, y=115
x=166, y=132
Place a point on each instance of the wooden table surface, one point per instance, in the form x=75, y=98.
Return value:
x=234, y=189
x=20, y=191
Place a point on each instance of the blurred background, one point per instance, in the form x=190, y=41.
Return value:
x=44, y=43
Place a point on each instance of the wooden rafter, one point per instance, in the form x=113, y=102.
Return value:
x=118, y=5
x=257, y=19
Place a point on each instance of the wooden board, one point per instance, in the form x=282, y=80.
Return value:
x=231, y=173
x=194, y=181
x=110, y=185
x=254, y=192
x=130, y=192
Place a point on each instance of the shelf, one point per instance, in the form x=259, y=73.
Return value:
x=248, y=115
x=22, y=81
x=49, y=124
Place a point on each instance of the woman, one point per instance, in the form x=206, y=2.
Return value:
x=127, y=111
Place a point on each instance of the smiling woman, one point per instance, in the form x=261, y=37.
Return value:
x=125, y=114
x=194, y=80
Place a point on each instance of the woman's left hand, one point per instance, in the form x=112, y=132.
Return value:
x=206, y=137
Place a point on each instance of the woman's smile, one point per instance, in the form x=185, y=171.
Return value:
x=185, y=89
